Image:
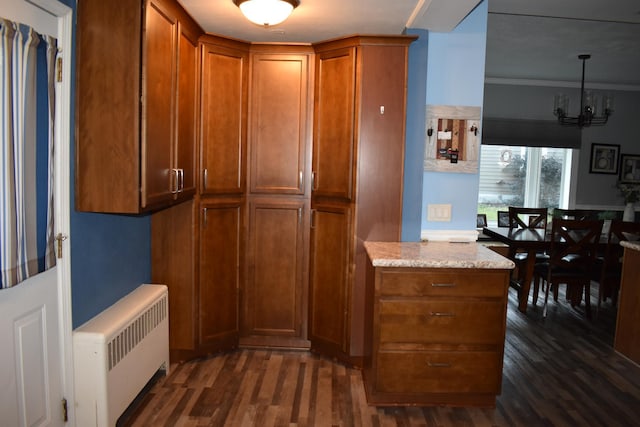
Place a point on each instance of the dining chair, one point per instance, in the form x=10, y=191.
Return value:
x=536, y=218
x=572, y=252
x=608, y=267
x=527, y=217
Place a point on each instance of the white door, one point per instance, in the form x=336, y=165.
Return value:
x=35, y=316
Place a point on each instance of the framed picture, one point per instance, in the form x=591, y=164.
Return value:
x=481, y=221
x=630, y=168
x=604, y=158
x=452, y=138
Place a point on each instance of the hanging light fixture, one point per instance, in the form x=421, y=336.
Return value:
x=266, y=12
x=588, y=113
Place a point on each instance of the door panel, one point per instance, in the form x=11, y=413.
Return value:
x=220, y=274
x=330, y=260
x=333, y=148
x=160, y=70
x=274, y=294
x=35, y=363
x=278, y=126
x=187, y=105
x=224, y=91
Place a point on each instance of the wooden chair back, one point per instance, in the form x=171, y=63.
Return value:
x=527, y=217
x=574, y=244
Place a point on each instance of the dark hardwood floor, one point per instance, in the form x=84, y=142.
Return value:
x=558, y=371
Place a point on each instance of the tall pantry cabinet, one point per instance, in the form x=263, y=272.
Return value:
x=136, y=105
x=274, y=298
x=358, y=158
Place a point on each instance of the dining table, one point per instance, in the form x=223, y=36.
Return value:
x=529, y=240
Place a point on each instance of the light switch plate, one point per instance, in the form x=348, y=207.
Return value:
x=440, y=212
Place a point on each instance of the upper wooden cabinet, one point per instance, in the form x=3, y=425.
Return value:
x=225, y=73
x=333, y=145
x=279, y=114
x=136, y=103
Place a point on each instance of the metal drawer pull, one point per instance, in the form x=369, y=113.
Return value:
x=438, y=365
x=443, y=285
x=439, y=314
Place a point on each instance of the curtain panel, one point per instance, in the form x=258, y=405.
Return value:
x=27, y=99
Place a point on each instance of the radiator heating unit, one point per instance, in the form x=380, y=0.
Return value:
x=117, y=352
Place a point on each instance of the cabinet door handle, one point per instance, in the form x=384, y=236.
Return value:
x=205, y=175
x=300, y=181
x=313, y=181
x=181, y=175
x=442, y=314
x=443, y=285
x=313, y=218
x=175, y=184
x=204, y=217
x=438, y=365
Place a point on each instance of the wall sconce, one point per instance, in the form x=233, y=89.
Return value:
x=266, y=12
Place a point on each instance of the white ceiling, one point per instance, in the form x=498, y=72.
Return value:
x=533, y=40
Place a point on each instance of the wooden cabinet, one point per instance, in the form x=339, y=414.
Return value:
x=136, y=103
x=331, y=237
x=436, y=335
x=173, y=260
x=279, y=125
x=225, y=74
x=275, y=297
x=220, y=259
x=627, y=337
x=358, y=158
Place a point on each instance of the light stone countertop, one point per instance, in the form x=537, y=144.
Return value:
x=435, y=255
x=631, y=245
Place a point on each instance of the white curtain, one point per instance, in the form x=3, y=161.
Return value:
x=26, y=174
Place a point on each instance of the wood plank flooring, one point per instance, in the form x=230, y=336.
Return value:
x=558, y=371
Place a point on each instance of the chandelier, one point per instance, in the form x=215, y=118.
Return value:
x=588, y=112
x=267, y=12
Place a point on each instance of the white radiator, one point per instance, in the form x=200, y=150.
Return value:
x=117, y=352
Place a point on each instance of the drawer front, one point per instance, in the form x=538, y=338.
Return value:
x=468, y=283
x=441, y=321
x=438, y=372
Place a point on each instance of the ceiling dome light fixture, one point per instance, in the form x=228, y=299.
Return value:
x=266, y=12
x=588, y=113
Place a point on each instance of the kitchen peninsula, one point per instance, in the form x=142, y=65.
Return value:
x=435, y=323
x=627, y=338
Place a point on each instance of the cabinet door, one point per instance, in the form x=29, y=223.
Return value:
x=333, y=144
x=185, y=149
x=274, y=297
x=220, y=273
x=278, y=124
x=158, y=105
x=171, y=229
x=331, y=238
x=223, y=117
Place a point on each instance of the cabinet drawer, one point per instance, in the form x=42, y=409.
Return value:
x=438, y=372
x=441, y=321
x=469, y=283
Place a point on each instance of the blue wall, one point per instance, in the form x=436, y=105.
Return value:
x=110, y=254
x=454, y=76
x=414, y=148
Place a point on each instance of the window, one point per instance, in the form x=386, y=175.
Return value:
x=522, y=176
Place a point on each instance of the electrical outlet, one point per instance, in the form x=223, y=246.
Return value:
x=441, y=212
